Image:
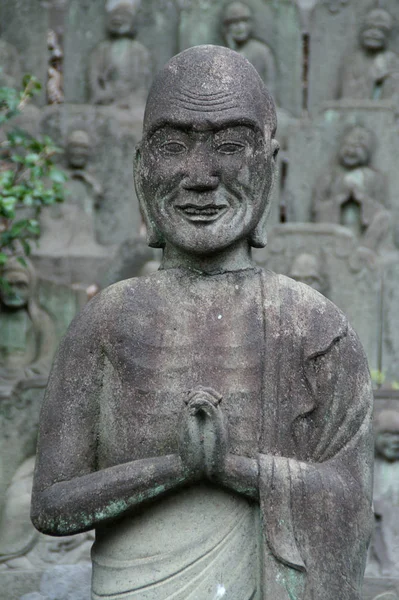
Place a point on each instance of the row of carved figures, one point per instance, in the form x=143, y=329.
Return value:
x=120, y=68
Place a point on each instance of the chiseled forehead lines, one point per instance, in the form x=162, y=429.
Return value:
x=208, y=84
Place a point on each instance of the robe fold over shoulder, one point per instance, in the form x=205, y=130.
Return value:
x=315, y=465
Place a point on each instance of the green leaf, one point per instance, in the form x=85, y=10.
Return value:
x=32, y=158
x=57, y=175
x=3, y=258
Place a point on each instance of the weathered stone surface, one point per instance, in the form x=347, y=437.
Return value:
x=276, y=32
x=336, y=51
x=157, y=31
x=28, y=339
x=236, y=400
x=24, y=25
x=327, y=257
x=101, y=209
x=311, y=180
x=390, y=342
x=384, y=554
x=63, y=583
x=50, y=308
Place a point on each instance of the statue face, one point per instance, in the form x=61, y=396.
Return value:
x=239, y=29
x=387, y=444
x=120, y=21
x=206, y=181
x=16, y=294
x=374, y=37
x=78, y=155
x=354, y=153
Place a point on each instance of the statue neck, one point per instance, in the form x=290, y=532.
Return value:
x=234, y=258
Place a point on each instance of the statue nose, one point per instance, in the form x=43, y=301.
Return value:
x=200, y=182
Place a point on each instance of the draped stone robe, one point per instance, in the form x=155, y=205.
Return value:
x=296, y=393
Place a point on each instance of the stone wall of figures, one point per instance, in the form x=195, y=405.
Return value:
x=333, y=68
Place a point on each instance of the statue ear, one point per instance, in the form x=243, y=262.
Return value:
x=154, y=236
x=258, y=237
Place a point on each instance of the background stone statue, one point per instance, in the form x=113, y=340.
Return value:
x=120, y=68
x=237, y=29
x=307, y=268
x=206, y=440
x=353, y=193
x=71, y=225
x=27, y=341
x=385, y=545
x=372, y=72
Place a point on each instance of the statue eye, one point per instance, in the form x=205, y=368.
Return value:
x=230, y=147
x=173, y=147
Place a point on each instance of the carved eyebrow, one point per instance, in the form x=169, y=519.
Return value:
x=188, y=126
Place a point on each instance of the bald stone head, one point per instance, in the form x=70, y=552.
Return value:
x=210, y=81
x=205, y=167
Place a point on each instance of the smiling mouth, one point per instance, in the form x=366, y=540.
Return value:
x=202, y=213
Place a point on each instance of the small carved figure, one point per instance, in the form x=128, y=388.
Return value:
x=353, y=192
x=10, y=72
x=72, y=224
x=373, y=70
x=237, y=29
x=120, y=68
x=212, y=421
x=27, y=341
x=307, y=269
x=385, y=544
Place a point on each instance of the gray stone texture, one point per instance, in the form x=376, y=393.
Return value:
x=101, y=209
x=276, y=24
x=322, y=137
x=157, y=29
x=215, y=416
x=334, y=40
x=349, y=277
x=24, y=25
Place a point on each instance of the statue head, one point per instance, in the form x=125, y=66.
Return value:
x=205, y=166
x=237, y=22
x=19, y=284
x=387, y=434
x=120, y=16
x=356, y=148
x=306, y=268
x=375, y=30
x=78, y=149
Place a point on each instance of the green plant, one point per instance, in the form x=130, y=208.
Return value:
x=29, y=179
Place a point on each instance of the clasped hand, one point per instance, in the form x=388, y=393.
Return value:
x=203, y=434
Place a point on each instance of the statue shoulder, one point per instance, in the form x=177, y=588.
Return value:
x=314, y=319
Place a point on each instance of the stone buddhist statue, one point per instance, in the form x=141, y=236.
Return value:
x=353, y=192
x=372, y=72
x=120, y=69
x=385, y=545
x=71, y=225
x=10, y=73
x=307, y=269
x=237, y=31
x=27, y=340
x=211, y=421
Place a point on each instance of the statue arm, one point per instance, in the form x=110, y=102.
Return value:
x=70, y=493
x=86, y=501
